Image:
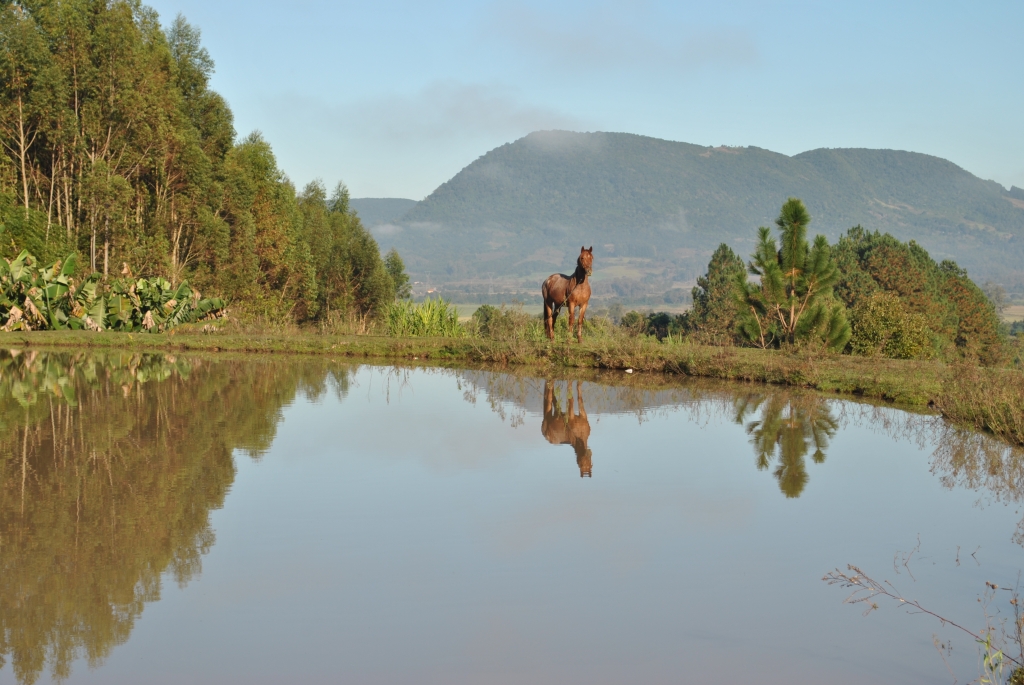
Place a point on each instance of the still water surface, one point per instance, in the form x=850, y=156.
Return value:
x=206, y=520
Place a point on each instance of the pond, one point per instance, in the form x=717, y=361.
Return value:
x=169, y=519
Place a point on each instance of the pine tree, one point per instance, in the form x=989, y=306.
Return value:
x=793, y=302
x=712, y=319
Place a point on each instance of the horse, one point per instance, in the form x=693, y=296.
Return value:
x=560, y=290
x=568, y=428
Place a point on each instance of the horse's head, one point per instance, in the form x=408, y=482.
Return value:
x=586, y=259
x=586, y=463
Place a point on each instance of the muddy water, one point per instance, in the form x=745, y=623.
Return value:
x=211, y=520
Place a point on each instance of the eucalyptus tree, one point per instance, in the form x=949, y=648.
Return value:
x=27, y=83
x=793, y=301
x=114, y=146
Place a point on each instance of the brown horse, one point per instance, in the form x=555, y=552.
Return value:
x=572, y=291
x=567, y=428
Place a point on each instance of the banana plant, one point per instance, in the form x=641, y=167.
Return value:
x=37, y=298
x=33, y=297
x=153, y=304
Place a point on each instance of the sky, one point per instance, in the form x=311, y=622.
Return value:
x=394, y=98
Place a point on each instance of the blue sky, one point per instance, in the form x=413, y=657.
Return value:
x=394, y=98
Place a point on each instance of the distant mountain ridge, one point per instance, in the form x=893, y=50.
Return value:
x=374, y=211
x=657, y=208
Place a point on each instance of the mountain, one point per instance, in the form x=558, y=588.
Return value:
x=655, y=209
x=374, y=211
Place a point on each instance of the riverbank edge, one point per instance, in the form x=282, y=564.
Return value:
x=987, y=399
x=903, y=382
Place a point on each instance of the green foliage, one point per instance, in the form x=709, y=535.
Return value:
x=883, y=326
x=348, y=276
x=961, y=318
x=482, y=318
x=793, y=302
x=33, y=297
x=395, y=267
x=431, y=318
x=509, y=323
x=115, y=148
x=661, y=325
x=49, y=298
x=789, y=426
x=634, y=322
x=154, y=305
x=712, y=319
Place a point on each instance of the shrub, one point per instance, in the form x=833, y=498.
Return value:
x=659, y=324
x=510, y=323
x=883, y=326
x=963, y=319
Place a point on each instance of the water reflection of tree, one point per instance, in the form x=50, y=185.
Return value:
x=109, y=468
x=980, y=462
x=790, y=425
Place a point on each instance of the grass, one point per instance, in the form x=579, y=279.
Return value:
x=430, y=318
x=987, y=399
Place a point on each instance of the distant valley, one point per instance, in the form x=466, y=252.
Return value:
x=655, y=209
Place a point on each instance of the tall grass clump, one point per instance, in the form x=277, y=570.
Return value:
x=507, y=323
x=430, y=318
x=987, y=399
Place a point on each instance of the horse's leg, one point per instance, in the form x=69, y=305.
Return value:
x=572, y=311
x=549, y=321
x=579, y=334
x=554, y=319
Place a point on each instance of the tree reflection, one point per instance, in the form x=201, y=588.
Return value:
x=109, y=468
x=983, y=463
x=568, y=428
x=790, y=425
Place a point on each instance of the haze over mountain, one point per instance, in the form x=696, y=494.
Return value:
x=655, y=209
x=375, y=211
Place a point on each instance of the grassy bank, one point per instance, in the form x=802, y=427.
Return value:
x=989, y=399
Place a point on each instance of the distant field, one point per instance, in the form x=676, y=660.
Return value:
x=1014, y=312
x=466, y=310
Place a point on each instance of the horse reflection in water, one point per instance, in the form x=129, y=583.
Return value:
x=567, y=428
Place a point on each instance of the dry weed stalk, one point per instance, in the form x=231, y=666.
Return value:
x=865, y=589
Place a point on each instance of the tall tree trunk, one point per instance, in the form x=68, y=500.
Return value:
x=106, y=247
x=23, y=153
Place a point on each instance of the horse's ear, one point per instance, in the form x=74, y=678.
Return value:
x=582, y=249
x=590, y=249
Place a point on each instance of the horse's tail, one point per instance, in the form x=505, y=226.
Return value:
x=544, y=290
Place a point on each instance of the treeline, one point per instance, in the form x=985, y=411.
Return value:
x=868, y=294
x=116, y=148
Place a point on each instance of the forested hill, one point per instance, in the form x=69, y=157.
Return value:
x=523, y=208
